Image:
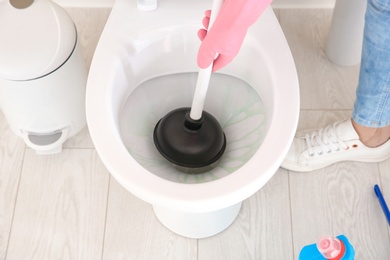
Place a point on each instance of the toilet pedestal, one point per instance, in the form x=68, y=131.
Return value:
x=197, y=225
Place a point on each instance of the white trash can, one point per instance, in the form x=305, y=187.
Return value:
x=42, y=73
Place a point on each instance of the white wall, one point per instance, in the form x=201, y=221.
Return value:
x=275, y=4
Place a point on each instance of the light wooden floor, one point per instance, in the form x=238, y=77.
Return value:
x=67, y=206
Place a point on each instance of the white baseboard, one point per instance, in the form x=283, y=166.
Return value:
x=86, y=3
x=275, y=3
x=303, y=3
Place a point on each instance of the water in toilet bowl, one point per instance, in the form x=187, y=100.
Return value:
x=234, y=103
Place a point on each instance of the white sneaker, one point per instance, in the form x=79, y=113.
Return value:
x=334, y=143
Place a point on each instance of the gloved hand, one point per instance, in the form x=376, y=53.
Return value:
x=228, y=31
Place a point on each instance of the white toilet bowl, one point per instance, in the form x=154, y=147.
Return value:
x=145, y=66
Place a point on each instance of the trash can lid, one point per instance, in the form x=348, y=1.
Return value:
x=36, y=37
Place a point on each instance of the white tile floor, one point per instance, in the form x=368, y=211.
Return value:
x=67, y=206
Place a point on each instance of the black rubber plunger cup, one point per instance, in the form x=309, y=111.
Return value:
x=193, y=146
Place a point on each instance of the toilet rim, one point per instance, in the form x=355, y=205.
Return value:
x=220, y=193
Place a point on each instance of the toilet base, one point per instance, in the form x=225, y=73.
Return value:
x=197, y=225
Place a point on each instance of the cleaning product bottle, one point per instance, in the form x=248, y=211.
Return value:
x=328, y=248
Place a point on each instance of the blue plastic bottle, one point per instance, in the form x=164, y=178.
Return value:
x=328, y=248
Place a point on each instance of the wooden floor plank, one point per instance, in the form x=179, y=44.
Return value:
x=323, y=85
x=134, y=232
x=314, y=119
x=61, y=207
x=337, y=200
x=384, y=169
x=11, y=158
x=262, y=229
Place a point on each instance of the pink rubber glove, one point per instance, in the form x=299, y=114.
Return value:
x=228, y=31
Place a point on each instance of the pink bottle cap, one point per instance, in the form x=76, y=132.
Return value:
x=330, y=247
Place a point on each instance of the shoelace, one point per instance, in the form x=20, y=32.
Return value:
x=324, y=140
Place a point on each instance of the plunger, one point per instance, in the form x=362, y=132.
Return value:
x=191, y=138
